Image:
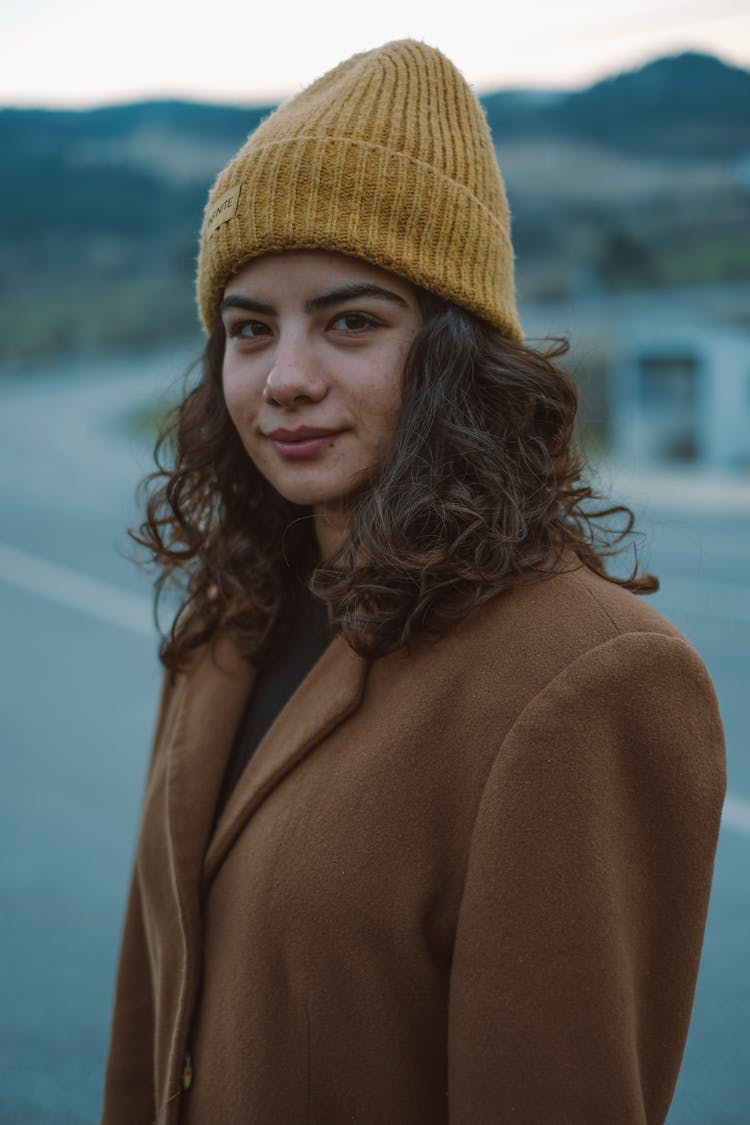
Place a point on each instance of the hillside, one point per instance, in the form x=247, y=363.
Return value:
x=638, y=180
x=689, y=106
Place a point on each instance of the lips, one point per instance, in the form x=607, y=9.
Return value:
x=302, y=433
x=305, y=441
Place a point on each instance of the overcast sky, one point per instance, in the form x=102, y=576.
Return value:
x=89, y=52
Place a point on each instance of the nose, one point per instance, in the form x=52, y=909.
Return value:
x=296, y=376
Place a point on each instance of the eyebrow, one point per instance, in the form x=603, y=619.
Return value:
x=350, y=291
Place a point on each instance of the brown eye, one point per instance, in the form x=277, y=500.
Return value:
x=353, y=322
x=248, y=330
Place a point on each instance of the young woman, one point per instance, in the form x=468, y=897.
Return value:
x=430, y=819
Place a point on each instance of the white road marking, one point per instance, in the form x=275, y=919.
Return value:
x=736, y=814
x=77, y=591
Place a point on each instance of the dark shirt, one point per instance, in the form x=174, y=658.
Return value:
x=276, y=682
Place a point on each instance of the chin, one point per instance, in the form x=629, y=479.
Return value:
x=336, y=495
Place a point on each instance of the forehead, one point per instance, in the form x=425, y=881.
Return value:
x=314, y=270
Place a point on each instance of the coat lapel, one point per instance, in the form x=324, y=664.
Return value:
x=327, y=696
x=213, y=695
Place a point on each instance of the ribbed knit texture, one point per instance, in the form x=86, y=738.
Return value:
x=387, y=157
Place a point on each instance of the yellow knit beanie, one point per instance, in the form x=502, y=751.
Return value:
x=388, y=157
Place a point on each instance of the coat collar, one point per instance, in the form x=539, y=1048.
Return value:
x=213, y=697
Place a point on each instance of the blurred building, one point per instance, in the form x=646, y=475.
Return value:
x=682, y=394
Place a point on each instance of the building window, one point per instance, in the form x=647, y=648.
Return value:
x=668, y=398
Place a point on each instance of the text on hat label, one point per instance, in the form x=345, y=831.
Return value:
x=223, y=209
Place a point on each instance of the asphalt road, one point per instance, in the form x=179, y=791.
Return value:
x=79, y=682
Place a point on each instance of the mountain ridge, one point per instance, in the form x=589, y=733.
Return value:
x=629, y=109
x=639, y=180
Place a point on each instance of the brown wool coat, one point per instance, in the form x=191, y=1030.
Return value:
x=463, y=886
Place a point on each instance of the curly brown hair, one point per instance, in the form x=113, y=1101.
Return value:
x=481, y=491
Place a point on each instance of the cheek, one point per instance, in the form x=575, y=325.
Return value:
x=240, y=394
x=383, y=400
x=228, y=386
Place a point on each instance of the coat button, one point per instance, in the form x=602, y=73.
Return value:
x=187, y=1073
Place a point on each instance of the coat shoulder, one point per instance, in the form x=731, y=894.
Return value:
x=583, y=604
x=541, y=628
x=508, y=651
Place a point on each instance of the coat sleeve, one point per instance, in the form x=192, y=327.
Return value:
x=129, y=1077
x=586, y=892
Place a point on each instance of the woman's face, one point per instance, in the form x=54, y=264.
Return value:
x=315, y=351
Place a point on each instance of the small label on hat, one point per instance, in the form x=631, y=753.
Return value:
x=223, y=209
